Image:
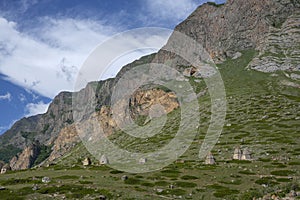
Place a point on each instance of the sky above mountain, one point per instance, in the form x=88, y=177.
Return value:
x=43, y=44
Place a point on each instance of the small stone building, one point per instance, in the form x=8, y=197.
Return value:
x=5, y=169
x=86, y=162
x=241, y=154
x=237, y=154
x=246, y=155
x=143, y=160
x=210, y=160
x=103, y=160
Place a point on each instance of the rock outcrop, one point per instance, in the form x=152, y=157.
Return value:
x=223, y=31
x=143, y=100
x=25, y=159
x=43, y=128
x=66, y=140
x=280, y=50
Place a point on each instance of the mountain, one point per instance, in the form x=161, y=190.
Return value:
x=256, y=46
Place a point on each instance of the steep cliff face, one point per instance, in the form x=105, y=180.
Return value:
x=143, y=101
x=237, y=25
x=25, y=159
x=66, y=140
x=280, y=49
x=43, y=128
x=226, y=30
x=269, y=26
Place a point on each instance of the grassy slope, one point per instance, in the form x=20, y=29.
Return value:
x=262, y=114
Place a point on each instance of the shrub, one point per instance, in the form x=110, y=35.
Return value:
x=186, y=184
x=282, y=172
x=161, y=183
x=188, y=177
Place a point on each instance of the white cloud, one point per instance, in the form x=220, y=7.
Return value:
x=48, y=62
x=47, y=59
x=34, y=109
x=22, y=98
x=7, y=96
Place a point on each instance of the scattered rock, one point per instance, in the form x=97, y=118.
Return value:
x=159, y=190
x=180, y=161
x=295, y=76
x=46, y=179
x=292, y=193
x=2, y=188
x=123, y=178
x=35, y=187
x=237, y=55
x=102, y=197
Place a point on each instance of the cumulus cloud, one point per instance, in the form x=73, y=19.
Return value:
x=47, y=62
x=47, y=59
x=7, y=96
x=34, y=109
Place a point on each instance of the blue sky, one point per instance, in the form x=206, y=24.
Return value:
x=43, y=43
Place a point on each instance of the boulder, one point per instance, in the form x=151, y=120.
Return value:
x=46, y=179
x=5, y=169
x=103, y=160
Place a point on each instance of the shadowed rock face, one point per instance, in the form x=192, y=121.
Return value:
x=43, y=128
x=66, y=140
x=280, y=49
x=269, y=26
x=25, y=159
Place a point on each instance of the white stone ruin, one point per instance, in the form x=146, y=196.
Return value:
x=210, y=160
x=241, y=154
x=103, y=160
x=143, y=160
